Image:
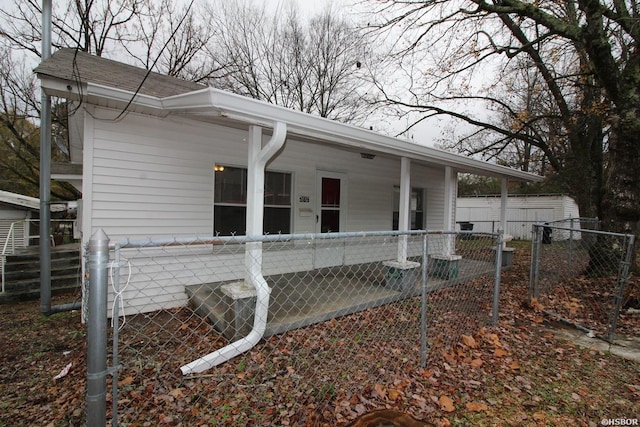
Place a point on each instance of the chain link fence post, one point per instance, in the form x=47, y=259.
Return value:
x=423, y=306
x=536, y=240
x=496, y=287
x=115, y=318
x=97, y=265
x=570, y=261
x=623, y=275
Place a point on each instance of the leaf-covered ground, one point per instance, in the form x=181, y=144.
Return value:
x=515, y=373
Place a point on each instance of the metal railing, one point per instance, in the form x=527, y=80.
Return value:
x=521, y=229
x=343, y=314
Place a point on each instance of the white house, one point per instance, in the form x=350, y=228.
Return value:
x=157, y=156
x=522, y=211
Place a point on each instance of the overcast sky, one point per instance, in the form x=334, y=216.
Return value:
x=310, y=7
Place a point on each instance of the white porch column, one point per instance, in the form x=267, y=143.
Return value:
x=405, y=208
x=450, y=194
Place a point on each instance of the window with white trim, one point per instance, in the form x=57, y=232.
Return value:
x=417, y=208
x=230, y=202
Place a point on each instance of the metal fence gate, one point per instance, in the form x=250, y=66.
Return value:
x=330, y=341
x=579, y=275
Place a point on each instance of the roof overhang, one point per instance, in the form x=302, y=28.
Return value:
x=223, y=107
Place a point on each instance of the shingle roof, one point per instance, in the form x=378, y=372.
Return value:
x=75, y=65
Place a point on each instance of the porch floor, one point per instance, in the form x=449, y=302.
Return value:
x=302, y=299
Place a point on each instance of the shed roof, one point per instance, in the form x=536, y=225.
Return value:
x=80, y=76
x=26, y=202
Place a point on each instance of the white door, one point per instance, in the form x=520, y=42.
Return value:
x=331, y=196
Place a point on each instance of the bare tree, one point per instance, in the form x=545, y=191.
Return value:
x=313, y=67
x=154, y=34
x=173, y=40
x=19, y=136
x=89, y=25
x=585, y=52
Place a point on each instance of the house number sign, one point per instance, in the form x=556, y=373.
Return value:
x=303, y=199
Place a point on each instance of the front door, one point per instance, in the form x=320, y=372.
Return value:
x=330, y=217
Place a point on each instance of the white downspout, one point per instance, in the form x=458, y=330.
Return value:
x=258, y=158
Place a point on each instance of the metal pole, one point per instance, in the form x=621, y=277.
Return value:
x=496, y=285
x=534, y=238
x=534, y=279
x=623, y=275
x=115, y=316
x=98, y=264
x=423, y=307
x=571, y=248
x=45, y=172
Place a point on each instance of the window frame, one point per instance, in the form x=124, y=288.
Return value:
x=395, y=214
x=242, y=203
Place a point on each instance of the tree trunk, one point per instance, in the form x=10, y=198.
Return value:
x=621, y=201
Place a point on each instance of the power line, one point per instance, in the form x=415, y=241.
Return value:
x=173, y=33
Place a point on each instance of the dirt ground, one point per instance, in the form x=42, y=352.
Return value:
x=524, y=371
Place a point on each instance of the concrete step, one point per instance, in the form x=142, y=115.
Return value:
x=57, y=281
x=15, y=273
x=208, y=301
x=9, y=297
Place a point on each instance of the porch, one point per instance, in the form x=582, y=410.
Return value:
x=305, y=298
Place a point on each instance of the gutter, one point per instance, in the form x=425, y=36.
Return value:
x=258, y=158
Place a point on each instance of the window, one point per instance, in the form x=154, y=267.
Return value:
x=230, y=202
x=417, y=208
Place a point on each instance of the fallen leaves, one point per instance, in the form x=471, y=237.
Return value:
x=476, y=363
x=512, y=373
x=498, y=352
x=476, y=406
x=394, y=394
x=446, y=404
x=469, y=341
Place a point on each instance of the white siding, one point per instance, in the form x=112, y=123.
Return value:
x=148, y=177
x=522, y=212
x=10, y=216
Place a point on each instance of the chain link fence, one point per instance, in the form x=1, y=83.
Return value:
x=580, y=275
x=280, y=330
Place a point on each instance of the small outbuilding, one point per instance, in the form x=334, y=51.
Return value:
x=483, y=212
x=18, y=218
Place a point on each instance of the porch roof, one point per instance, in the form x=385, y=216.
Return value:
x=86, y=78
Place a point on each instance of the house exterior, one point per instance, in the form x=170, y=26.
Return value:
x=17, y=214
x=173, y=158
x=522, y=212
x=15, y=211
